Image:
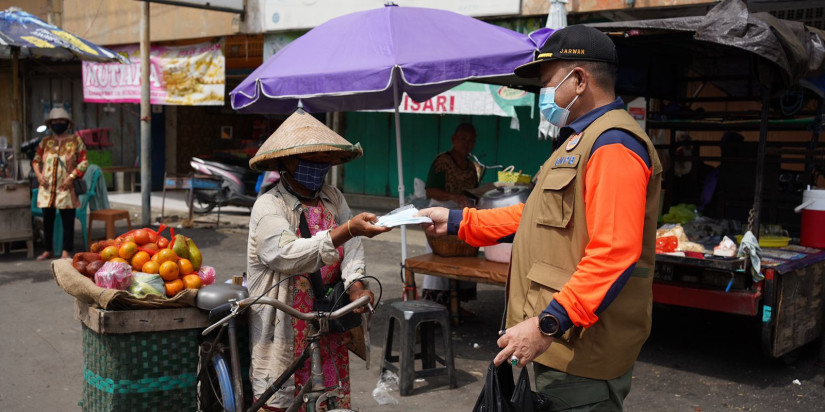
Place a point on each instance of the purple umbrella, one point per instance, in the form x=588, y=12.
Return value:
x=366, y=60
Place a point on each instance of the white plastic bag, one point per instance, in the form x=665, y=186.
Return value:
x=144, y=284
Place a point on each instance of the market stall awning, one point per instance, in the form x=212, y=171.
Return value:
x=652, y=51
x=34, y=38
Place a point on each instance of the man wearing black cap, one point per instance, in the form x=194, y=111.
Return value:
x=579, y=301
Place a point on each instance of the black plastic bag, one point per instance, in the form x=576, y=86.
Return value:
x=334, y=300
x=500, y=394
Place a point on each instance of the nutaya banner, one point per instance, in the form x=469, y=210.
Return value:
x=472, y=98
x=185, y=76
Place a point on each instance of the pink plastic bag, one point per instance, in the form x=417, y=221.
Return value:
x=114, y=275
x=207, y=275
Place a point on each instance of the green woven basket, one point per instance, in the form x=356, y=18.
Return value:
x=151, y=371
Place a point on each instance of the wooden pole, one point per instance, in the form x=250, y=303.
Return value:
x=145, y=120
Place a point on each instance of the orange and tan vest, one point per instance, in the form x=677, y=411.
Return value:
x=549, y=244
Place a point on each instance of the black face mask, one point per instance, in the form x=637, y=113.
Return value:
x=60, y=127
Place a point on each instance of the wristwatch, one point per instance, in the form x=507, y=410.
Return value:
x=549, y=325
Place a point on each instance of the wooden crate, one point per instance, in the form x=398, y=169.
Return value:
x=15, y=193
x=135, y=321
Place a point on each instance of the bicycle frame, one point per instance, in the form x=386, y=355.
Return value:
x=314, y=392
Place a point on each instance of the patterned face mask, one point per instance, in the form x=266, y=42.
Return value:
x=310, y=174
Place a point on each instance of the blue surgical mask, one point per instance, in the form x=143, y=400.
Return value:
x=556, y=115
x=310, y=174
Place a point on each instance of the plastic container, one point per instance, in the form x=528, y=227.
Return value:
x=813, y=218
x=499, y=253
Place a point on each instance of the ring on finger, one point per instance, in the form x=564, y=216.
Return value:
x=514, y=360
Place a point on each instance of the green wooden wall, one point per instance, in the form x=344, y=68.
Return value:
x=424, y=136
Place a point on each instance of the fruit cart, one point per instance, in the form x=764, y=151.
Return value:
x=135, y=299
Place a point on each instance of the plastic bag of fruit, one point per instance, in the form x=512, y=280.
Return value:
x=114, y=275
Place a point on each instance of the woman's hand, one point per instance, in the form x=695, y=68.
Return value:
x=66, y=184
x=44, y=183
x=461, y=200
x=356, y=291
x=364, y=225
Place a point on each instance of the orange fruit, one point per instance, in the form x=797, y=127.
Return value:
x=150, y=267
x=192, y=281
x=141, y=237
x=169, y=270
x=153, y=237
x=151, y=248
x=139, y=259
x=166, y=255
x=162, y=242
x=120, y=259
x=173, y=287
x=108, y=253
x=185, y=267
x=127, y=250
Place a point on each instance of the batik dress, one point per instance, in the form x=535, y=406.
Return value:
x=334, y=352
x=50, y=153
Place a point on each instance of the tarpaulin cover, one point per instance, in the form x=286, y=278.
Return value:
x=728, y=43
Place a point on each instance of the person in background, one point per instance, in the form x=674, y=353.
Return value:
x=451, y=173
x=302, y=149
x=60, y=159
x=581, y=277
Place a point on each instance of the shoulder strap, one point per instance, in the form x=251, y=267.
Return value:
x=314, y=277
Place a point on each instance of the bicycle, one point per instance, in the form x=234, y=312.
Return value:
x=228, y=374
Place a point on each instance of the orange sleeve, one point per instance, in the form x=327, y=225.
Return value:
x=488, y=227
x=615, y=192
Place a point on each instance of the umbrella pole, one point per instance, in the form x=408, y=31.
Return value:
x=145, y=120
x=400, y=165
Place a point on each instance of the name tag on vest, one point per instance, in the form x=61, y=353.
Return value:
x=567, y=161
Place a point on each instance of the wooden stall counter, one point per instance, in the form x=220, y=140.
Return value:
x=472, y=269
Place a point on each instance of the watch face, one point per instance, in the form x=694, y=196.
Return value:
x=548, y=324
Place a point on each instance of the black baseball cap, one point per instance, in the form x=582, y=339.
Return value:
x=576, y=42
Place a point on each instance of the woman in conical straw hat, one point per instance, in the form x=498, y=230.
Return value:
x=302, y=150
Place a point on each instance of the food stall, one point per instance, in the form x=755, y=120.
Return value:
x=728, y=71
x=735, y=72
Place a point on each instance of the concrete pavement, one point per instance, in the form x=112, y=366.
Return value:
x=694, y=361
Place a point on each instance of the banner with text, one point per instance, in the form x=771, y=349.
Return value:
x=472, y=98
x=185, y=76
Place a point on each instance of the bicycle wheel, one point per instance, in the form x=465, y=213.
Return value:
x=221, y=369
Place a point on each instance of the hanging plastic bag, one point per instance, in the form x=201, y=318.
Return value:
x=500, y=394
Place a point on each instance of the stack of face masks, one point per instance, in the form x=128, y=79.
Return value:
x=402, y=216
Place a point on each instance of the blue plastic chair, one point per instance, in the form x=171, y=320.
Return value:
x=91, y=178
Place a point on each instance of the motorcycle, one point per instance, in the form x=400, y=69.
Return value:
x=29, y=148
x=239, y=186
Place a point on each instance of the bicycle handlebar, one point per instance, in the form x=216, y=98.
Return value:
x=308, y=316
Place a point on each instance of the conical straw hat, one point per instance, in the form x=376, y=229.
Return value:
x=302, y=133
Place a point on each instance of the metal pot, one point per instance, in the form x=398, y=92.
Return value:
x=503, y=196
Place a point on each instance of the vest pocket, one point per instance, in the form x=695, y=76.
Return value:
x=545, y=280
x=558, y=193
